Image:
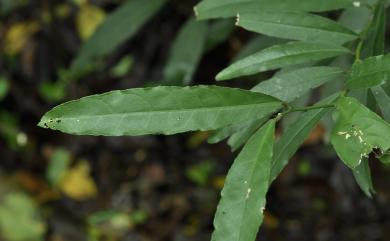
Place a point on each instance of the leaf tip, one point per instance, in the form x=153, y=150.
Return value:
x=221, y=76
x=43, y=123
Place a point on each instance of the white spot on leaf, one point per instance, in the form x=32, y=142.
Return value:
x=248, y=192
x=237, y=19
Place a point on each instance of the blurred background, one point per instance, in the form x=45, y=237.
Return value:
x=59, y=187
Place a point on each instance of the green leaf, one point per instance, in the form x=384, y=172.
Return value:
x=296, y=26
x=358, y=131
x=369, y=72
x=385, y=158
x=294, y=135
x=229, y=8
x=123, y=67
x=240, y=210
x=218, y=32
x=20, y=219
x=200, y=173
x=4, y=87
x=119, y=26
x=221, y=134
x=158, y=110
x=383, y=101
x=53, y=91
x=363, y=178
x=185, y=53
x=279, y=56
x=374, y=44
x=237, y=139
x=290, y=85
x=355, y=19
x=59, y=163
x=256, y=44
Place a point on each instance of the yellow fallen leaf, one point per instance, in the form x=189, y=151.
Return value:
x=78, y=184
x=89, y=17
x=18, y=35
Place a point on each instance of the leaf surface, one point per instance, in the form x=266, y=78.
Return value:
x=117, y=27
x=294, y=135
x=221, y=134
x=229, y=8
x=296, y=25
x=362, y=174
x=280, y=56
x=290, y=85
x=358, y=131
x=158, y=110
x=374, y=44
x=369, y=72
x=218, y=32
x=185, y=53
x=237, y=139
x=383, y=100
x=240, y=210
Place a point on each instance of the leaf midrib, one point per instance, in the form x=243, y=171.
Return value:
x=171, y=110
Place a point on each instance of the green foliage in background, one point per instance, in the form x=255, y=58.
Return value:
x=248, y=117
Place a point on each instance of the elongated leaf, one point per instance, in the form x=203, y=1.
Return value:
x=256, y=44
x=296, y=25
x=358, y=131
x=240, y=211
x=279, y=56
x=185, y=53
x=295, y=135
x=290, y=85
x=229, y=8
x=237, y=139
x=375, y=43
x=383, y=101
x=165, y=110
x=362, y=174
x=355, y=18
x=369, y=72
x=118, y=27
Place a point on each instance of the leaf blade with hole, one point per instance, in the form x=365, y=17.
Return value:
x=358, y=131
x=162, y=110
